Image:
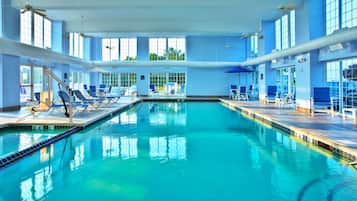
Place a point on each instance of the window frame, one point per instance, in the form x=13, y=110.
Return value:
x=33, y=29
x=285, y=31
x=126, y=52
x=76, y=45
x=155, y=53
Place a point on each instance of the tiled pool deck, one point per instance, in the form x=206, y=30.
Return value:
x=331, y=132
x=57, y=118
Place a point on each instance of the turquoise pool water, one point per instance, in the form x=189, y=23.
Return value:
x=178, y=151
x=17, y=139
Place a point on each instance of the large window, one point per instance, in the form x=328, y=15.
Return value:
x=285, y=31
x=286, y=81
x=127, y=79
x=333, y=77
x=47, y=33
x=332, y=16
x=31, y=81
x=167, y=49
x=110, y=79
x=169, y=83
x=343, y=85
x=176, y=48
x=38, y=30
x=253, y=45
x=128, y=49
x=114, y=79
x=340, y=14
x=157, y=48
x=26, y=27
x=349, y=13
x=110, y=49
x=159, y=80
x=292, y=28
x=35, y=29
x=278, y=34
x=179, y=78
x=76, y=45
x=78, y=79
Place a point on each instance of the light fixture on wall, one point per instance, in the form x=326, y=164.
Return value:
x=335, y=47
x=301, y=59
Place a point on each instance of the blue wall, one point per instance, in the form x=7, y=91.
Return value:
x=10, y=81
x=9, y=21
x=215, y=48
x=209, y=82
x=57, y=36
x=143, y=49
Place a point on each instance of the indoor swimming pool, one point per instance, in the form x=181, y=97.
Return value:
x=179, y=151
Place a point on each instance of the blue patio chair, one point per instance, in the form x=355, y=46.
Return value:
x=243, y=94
x=65, y=103
x=110, y=89
x=37, y=97
x=322, y=100
x=95, y=102
x=85, y=87
x=92, y=91
x=102, y=88
x=271, y=94
x=152, y=89
x=233, y=92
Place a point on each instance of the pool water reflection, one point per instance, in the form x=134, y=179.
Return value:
x=178, y=151
x=17, y=139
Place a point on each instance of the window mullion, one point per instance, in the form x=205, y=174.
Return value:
x=32, y=28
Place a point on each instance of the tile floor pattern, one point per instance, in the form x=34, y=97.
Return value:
x=56, y=117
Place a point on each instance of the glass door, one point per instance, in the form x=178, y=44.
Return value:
x=31, y=81
x=25, y=84
x=286, y=81
x=37, y=79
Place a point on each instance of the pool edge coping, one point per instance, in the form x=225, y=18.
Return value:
x=312, y=138
x=18, y=155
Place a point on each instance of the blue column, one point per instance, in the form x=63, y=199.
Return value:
x=266, y=75
x=310, y=25
x=317, y=18
x=9, y=65
x=10, y=21
x=87, y=49
x=57, y=36
x=10, y=79
x=96, y=49
x=94, y=78
x=267, y=43
x=143, y=49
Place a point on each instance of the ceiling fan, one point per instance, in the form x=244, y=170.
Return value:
x=248, y=35
x=28, y=7
x=287, y=7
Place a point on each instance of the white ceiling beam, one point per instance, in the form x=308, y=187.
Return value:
x=14, y=48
